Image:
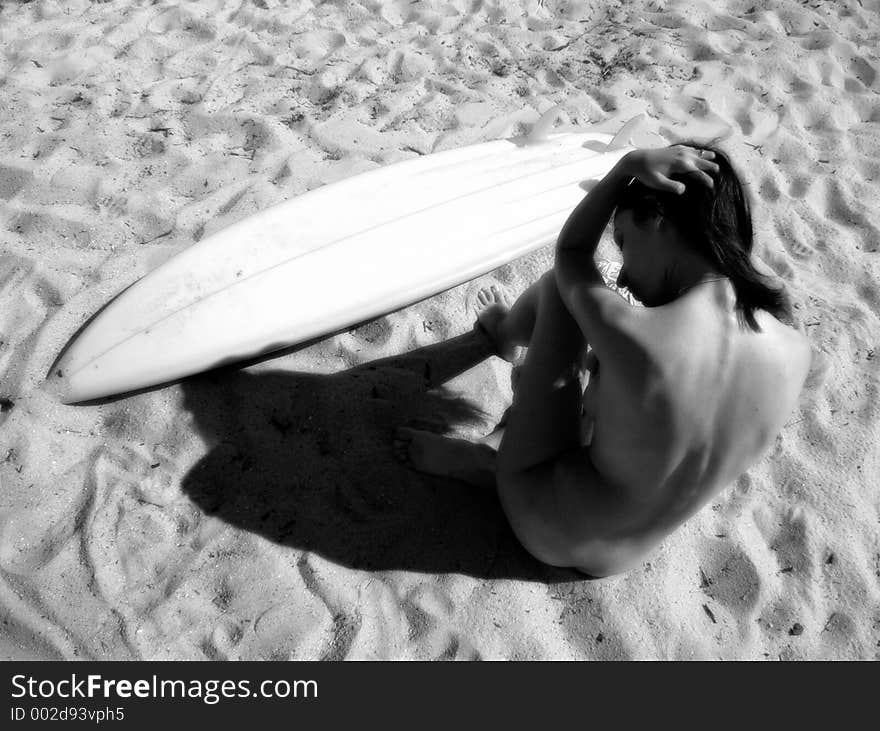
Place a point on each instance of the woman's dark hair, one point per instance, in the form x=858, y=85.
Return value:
x=716, y=222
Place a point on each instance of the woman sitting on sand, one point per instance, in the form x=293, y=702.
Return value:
x=683, y=395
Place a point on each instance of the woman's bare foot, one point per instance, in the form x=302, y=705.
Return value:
x=493, y=320
x=434, y=454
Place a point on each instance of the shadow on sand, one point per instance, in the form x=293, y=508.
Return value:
x=307, y=461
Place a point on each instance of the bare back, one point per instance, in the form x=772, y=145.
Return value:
x=702, y=400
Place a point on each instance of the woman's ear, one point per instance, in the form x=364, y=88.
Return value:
x=657, y=224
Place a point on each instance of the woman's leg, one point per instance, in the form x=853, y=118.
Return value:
x=435, y=454
x=545, y=419
x=506, y=328
x=544, y=477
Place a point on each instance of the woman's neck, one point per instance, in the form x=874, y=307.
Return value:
x=688, y=271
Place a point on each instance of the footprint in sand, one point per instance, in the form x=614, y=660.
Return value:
x=177, y=19
x=780, y=265
x=376, y=332
x=841, y=208
x=770, y=190
x=870, y=296
x=847, y=56
x=793, y=546
x=801, y=88
x=744, y=120
x=346, y=625
x=853, y=86
x=794, y=236
x=730, y=577
x=821, y=366
x=232, y=201
x=799, y=187
x=30, y=539
x=869, y=405
x=113, y=206
x=818, y=40
x=12, y=180
x=840, y=637
x=798, y=248
x=428, y=611
x=737, y=499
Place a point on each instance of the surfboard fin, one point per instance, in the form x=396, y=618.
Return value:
x=624, y=136
x=544, y=125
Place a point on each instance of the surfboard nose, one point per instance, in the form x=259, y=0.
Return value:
x=57, y=384
x=61, y=381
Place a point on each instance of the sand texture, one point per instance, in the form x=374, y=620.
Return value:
x=259, y=513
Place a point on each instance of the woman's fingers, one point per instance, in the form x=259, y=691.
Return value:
x=673, y=186
x=664, y=170
x=704, y=178
x=708, y=165
x=701, y=168
x=699, y=158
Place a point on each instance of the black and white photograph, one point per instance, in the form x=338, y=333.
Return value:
x=432, y=330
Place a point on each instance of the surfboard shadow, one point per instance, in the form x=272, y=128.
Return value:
x=307, y=461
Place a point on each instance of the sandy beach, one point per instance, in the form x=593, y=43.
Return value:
x=259, y=513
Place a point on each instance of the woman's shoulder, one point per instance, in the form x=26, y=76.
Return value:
x=793, y=350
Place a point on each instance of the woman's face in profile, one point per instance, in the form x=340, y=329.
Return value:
x=642, y=249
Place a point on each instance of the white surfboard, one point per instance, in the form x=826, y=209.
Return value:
x=334, y=257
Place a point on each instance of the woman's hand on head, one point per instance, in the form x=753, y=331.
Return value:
x=656, y=167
